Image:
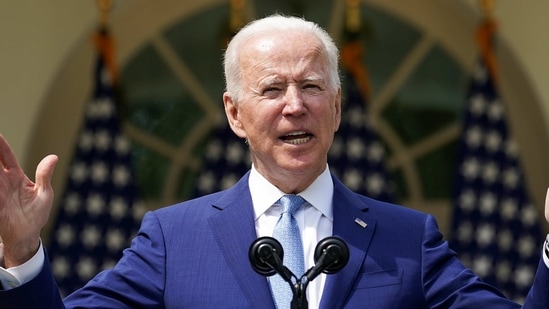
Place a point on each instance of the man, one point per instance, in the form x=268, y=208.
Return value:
x=283, y=96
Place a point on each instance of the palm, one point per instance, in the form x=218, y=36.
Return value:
x=24, y=205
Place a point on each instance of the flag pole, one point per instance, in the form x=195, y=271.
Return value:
x=486, y=36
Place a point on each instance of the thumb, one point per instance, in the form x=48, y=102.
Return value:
x=44, y=172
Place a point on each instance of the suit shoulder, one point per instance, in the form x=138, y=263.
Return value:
x=195, y=206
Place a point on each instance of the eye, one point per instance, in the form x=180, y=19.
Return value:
x=312, y=88
x=271, y=91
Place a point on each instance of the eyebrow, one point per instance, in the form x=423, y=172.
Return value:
x=278, y=80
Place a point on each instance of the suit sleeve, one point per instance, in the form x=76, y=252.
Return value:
x=137, y=280
x=448, y=283
x=40, y=292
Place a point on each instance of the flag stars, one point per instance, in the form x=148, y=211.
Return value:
x=118, y=208
x=79, y=172
x=375, y=184
x=465, y=232
x=485, y=234
x=505, y=240
x=482, y=265
x=65, y=235
x=90, y=236
x=60, y=267
x=526, y=246
x=86, y=268
x=229, y=180
x=376, y=152
x=355, y=148
x=206, y=182
x=337, y=147
x=121, y=176
x=524, y=276
x=509, y=207
x=72, y=203
x=490, y=172
x=503, y=271
x=495, y=111
x=478, y=105
x=235, y=154
x=99, y=172
x=356, y=117
x=493, y=141
x=215, y=151
x=474, y=136
x=511, y=178
x=488, y=202
x=470, y=168
x=511, y=149
x=104, y=108
x=138, y=210
x=529, y=215
x=352, y=179
x=85, y=142
x=122, y=145
x=467, y=200
x=480, y=74
x=95, y=204
x=115, y=240
x=102, y=140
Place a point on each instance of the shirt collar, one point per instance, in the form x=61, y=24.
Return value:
x=264, y=194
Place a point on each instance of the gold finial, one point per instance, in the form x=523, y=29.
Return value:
x=236, y=17
x=487, y=7
x=353, y=22
x=104, y=7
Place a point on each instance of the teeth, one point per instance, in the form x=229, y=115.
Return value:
x=298, y=141
x=297, y=133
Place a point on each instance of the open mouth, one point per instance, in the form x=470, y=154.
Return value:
x=297, y=138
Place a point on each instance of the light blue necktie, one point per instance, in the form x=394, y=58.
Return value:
x=286, y=231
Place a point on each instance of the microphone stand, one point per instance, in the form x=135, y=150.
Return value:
x=266, y=254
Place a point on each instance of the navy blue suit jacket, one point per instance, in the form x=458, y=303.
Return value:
x=195, y=255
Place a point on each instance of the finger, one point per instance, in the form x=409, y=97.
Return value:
x=44, y=172
x=7, y=157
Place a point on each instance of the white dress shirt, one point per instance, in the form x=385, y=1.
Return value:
x=315, y=219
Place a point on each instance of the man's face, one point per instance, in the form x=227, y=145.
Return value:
x=288, y=111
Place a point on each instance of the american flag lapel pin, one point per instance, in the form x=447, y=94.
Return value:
x=361, y=223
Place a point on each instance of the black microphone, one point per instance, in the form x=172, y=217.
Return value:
x=331, y=255
x=266, y=255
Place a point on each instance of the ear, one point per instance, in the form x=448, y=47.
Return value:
x=337, y=114
x=231, y=111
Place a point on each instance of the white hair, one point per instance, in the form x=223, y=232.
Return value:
x=277, y=22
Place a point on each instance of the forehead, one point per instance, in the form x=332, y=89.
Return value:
x=280, y=53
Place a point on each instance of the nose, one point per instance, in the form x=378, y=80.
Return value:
x=295, y=105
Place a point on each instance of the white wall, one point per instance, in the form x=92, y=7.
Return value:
x=36, y=36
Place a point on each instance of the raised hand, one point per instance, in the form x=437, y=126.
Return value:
x=24, y=205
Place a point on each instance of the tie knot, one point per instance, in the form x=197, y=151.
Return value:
x=290, y=203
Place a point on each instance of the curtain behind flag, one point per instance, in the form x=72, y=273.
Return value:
x=99, y=211
x=496, y=228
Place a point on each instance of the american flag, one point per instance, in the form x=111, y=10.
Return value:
x=99, y=212
x=357, y=156
x=226, y=160
x=496, y=228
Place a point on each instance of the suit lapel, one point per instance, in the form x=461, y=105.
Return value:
x=234, y=230
x=352, y=223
